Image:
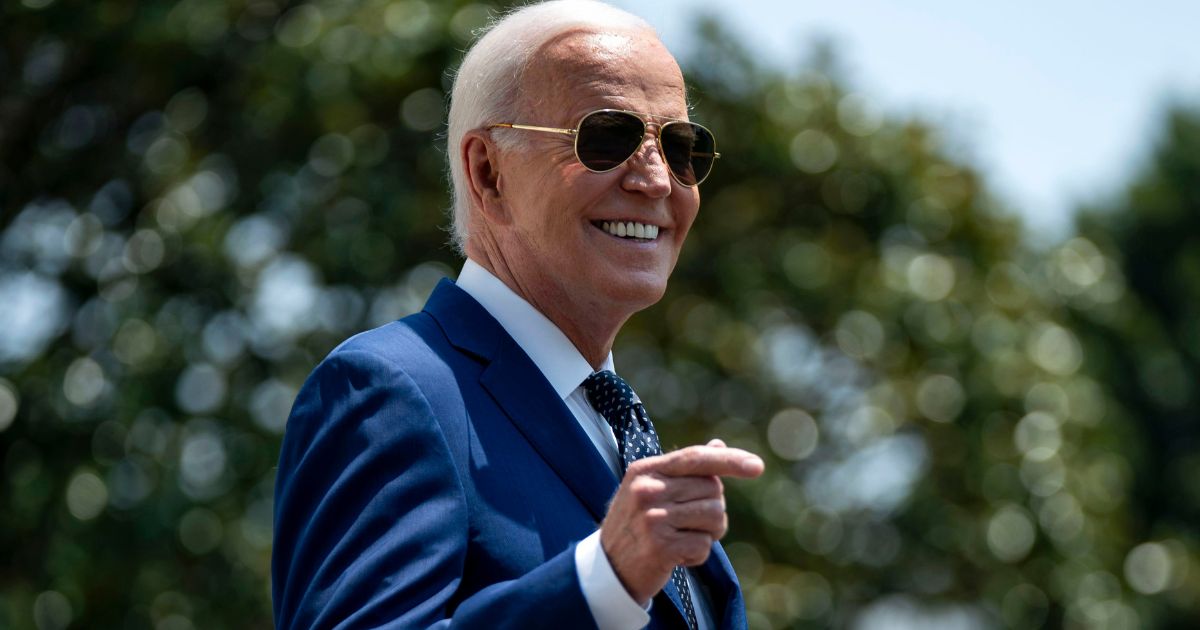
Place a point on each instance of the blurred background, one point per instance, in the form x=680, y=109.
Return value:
x=978, y=404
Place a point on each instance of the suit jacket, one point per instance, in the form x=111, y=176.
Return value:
x=431, y=477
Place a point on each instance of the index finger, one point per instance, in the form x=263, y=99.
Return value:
x=710, y=460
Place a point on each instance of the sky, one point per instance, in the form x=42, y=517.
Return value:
x=1057, y=103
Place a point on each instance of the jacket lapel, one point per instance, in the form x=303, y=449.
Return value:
x=525, y=396
x=540, y=415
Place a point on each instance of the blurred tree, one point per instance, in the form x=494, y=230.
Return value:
x=201, y=198
x=1147, y=345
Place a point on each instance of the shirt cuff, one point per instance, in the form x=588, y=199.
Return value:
x=611, y=605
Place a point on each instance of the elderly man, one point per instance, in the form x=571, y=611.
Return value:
x=480, y=464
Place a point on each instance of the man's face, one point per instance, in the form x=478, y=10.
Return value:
x=555, y=243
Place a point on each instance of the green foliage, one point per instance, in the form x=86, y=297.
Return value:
x=201, y=198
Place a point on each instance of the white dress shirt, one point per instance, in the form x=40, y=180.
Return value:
x=565, y=368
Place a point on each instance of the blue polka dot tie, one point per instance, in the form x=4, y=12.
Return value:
x=612, y=397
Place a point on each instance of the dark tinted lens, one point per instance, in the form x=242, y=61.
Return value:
x=690, y=150
x=606, y=139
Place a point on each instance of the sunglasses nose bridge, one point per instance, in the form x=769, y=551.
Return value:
x=651, y=131
x=650, y=159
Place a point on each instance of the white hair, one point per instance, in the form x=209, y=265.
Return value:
x=487, y=85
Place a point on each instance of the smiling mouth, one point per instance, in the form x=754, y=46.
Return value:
x=631, y=230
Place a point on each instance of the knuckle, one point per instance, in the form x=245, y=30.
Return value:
x=646, y=489
x=710, y=509
x=656, y=518
x=697, y=549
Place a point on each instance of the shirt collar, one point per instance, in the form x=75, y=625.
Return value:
x=551, y=351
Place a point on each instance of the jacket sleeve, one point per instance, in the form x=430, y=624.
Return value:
x=371, y=526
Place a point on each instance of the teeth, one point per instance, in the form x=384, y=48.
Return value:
x=629, y=229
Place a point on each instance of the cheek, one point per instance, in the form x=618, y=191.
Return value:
x=685, y=214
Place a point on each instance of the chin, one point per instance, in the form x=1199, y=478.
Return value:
x=638, y=293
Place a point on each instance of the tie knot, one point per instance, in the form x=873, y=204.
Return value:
x=609, y=394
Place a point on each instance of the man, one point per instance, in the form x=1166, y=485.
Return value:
x=479, y=464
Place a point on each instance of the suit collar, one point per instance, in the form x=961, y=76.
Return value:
x=465, y=323
x=549, y=349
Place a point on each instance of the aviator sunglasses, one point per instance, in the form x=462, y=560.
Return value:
x=606, y=138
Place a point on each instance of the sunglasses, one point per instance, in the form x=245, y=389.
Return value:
x=606, y=138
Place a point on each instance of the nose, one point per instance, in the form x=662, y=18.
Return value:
x=648, y=172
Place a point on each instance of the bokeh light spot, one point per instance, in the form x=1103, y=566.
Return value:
x=858, y=115
x=1043, y=473
x=200, y=388
x=271, y=403
x=32, y=312
x=345, y=44
x=860, y=335
x=1080, y=264
x=408, y=18
x=467, y=21
x=86, y=495
x=1037, y=436
x=1024, y=606
x=300, y=27
x=813, y=151
x=187, y=110
x=807, y=265
x=202, y=460
x=1148, y=568
x=792, y=434
x=930, y=277
x=331, y=154
x=144, y=251
x=135, y=342
x=1055, y=349
x=10, y=402
x=1010, y=534
x=1061, y=517
x=940, y=398
x=254, y=239
x=52, y=611
x=84, y=382
x=200, y=530
x=423, y=109
x=167, y=154
x=129, y=482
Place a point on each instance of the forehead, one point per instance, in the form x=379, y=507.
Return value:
x=581, y=71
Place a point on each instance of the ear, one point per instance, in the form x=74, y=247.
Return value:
x=481, y=160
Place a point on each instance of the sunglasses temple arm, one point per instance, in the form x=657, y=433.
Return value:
x=569, y=132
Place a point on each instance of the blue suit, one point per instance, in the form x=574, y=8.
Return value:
x=430, y=476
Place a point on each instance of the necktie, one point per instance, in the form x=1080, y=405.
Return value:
x=612, y=397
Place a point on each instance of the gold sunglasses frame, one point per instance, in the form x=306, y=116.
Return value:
x=641, y=116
